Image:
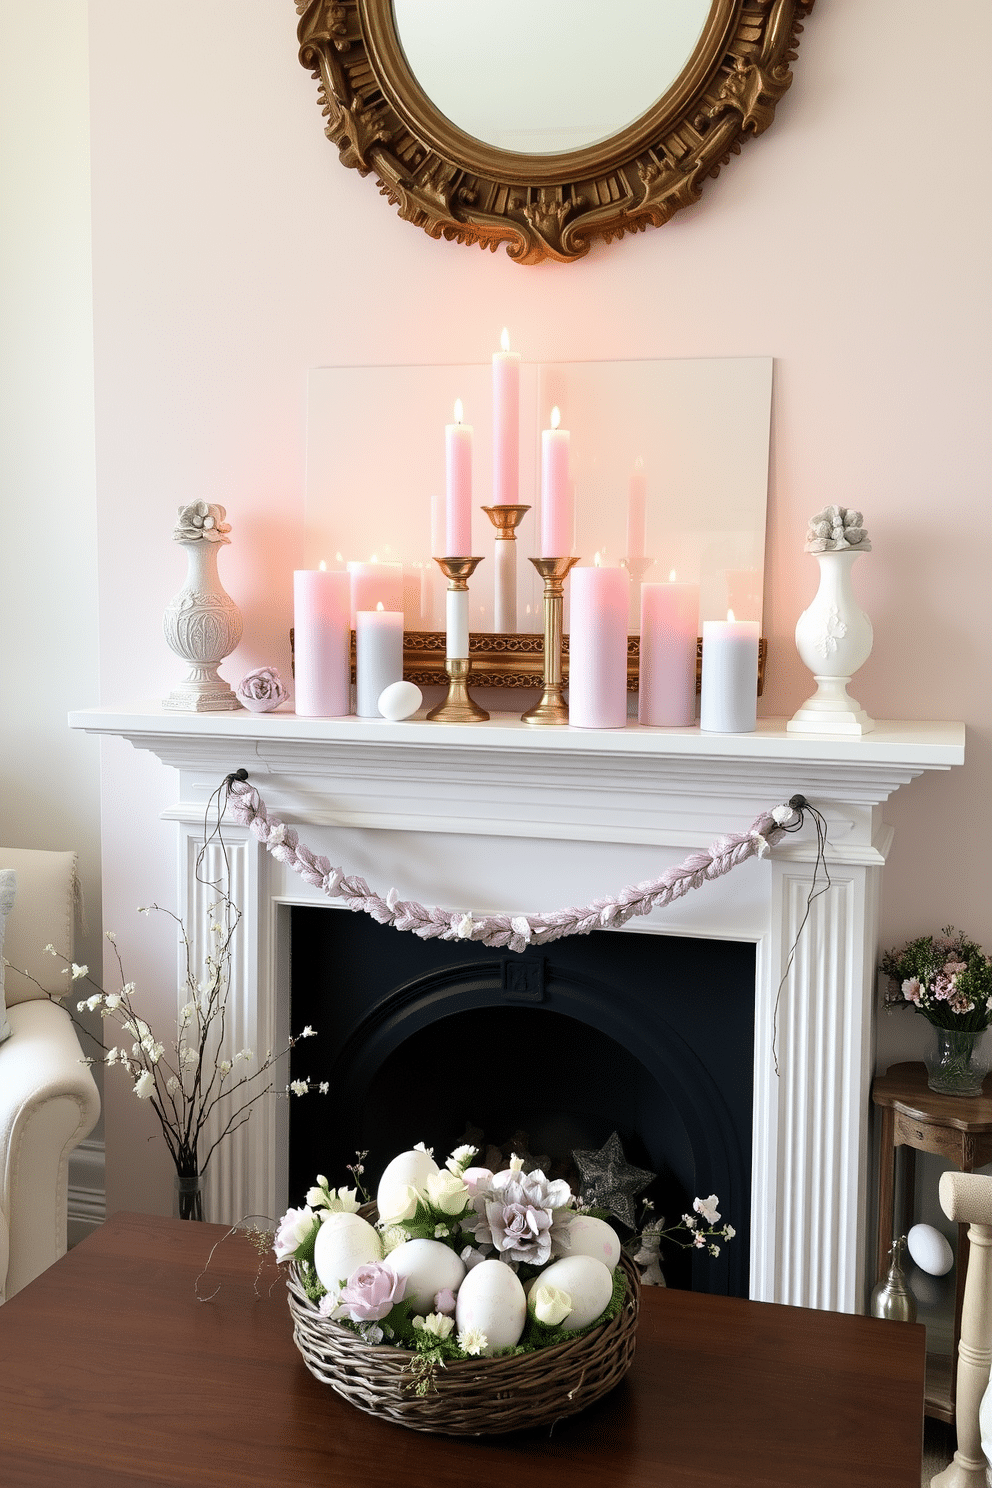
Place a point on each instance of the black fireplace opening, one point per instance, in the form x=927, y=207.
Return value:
x=646, y=1035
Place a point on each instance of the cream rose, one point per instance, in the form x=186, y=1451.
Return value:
x=551, y=1305
x=447, y=1192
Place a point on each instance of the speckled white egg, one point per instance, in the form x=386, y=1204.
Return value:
x=407, y=1169
x=344, y=1242
x=400, y=700
x=587, y=1235
x=930, y=1250
x=492, y=1301
x=476, y=1178
x=587, y=1281
x=429, y=1268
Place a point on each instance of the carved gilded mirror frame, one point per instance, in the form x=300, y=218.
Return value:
x=545, y=206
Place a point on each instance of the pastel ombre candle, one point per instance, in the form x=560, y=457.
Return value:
x=458, y=487
x=557, y=503
x=667, y=687
x=637, y=505
x=729, y=699
x=378, y=657
x=597, y=648
x=374, y=584
x=506, y=426
x=322, y=643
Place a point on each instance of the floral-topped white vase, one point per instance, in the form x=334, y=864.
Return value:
x=834, y=635
x=202, y=624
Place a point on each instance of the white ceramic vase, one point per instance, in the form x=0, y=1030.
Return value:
x=834, y=638
x=202, y=625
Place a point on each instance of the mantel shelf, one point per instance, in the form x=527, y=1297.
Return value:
x=926, y=745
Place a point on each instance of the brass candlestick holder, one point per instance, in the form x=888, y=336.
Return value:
x=457, y=707
x=552, y=707
x=506, y=520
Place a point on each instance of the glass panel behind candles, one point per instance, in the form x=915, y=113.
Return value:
x=375, y=458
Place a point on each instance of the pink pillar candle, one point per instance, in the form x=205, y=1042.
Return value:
x=374, y=584
x=557, y=505
x=322, y=643
x=597, y=648
x=506, y=426
x=458, y=479
x=378, y=657
x=667, y=688
x=728, y=702
x=637, y=499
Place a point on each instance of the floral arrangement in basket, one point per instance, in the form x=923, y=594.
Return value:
x=460, y=1263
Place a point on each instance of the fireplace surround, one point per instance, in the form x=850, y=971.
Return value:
x=497, y=817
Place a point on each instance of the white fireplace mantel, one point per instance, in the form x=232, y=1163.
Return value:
x=501, y=816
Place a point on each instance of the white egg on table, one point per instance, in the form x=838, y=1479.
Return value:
x=930, y=1250
x=491, y=1300
x=400, y=700
x=344, y=1242
x=587, y=1235
x=429, y=1268
x=407, y=1170
x=587, y=1281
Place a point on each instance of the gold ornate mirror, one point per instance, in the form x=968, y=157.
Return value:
x=544, y=124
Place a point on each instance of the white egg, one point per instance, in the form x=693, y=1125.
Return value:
x=930, y=1250
x=587, y=1281
x=400, y=700
x=344, y=1242
x=429, y=1268
x=476, y=1178
x=492, y=1301
x=407, y=1169
x=587, y=1235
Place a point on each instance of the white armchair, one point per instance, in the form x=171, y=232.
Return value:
x=48, y=1098
x=967, y=1199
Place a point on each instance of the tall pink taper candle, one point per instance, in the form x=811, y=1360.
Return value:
x=557, y=506
x=669, y=629
x=458, y=498
x=637, y=496
x=322, y=643
x=506, y=425
x=597, y=648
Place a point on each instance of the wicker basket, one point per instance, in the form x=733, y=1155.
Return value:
x=474, y=1397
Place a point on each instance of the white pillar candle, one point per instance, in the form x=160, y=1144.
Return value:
x=637, y=498
x=456, y=615
x=458, y=487
x=505, y=587
x=374, y=584
x=378, y=657
x=597, y=648
x=557, y=506
x=322, y=643
x=669, y=629
x=506, y=426
x=729, y=700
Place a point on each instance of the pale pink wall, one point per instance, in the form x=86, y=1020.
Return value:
x=232, y=253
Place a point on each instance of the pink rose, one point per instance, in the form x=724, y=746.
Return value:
x=444, y=1302
x=261, y=691
x=371, y=1293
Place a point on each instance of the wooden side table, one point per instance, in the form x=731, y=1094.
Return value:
x=917, y=1119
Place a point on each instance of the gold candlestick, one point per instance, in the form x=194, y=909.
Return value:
x=506, y=520
x=458, y=707
x=552, y=708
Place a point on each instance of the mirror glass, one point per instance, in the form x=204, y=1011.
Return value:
x=693, y=435
x=542, y=77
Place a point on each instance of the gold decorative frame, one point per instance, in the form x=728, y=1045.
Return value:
x=545, y=206
x=513, y=660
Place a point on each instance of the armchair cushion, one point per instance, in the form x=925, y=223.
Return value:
x=8, y=888
x=44, y=915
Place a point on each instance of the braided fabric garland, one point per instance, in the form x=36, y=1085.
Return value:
x=515, y=932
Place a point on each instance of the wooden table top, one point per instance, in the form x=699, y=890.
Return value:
x=905, y=1088
x=115, y=1375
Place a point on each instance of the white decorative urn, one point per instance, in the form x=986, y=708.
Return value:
x=202, y=624
x=834, y=635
